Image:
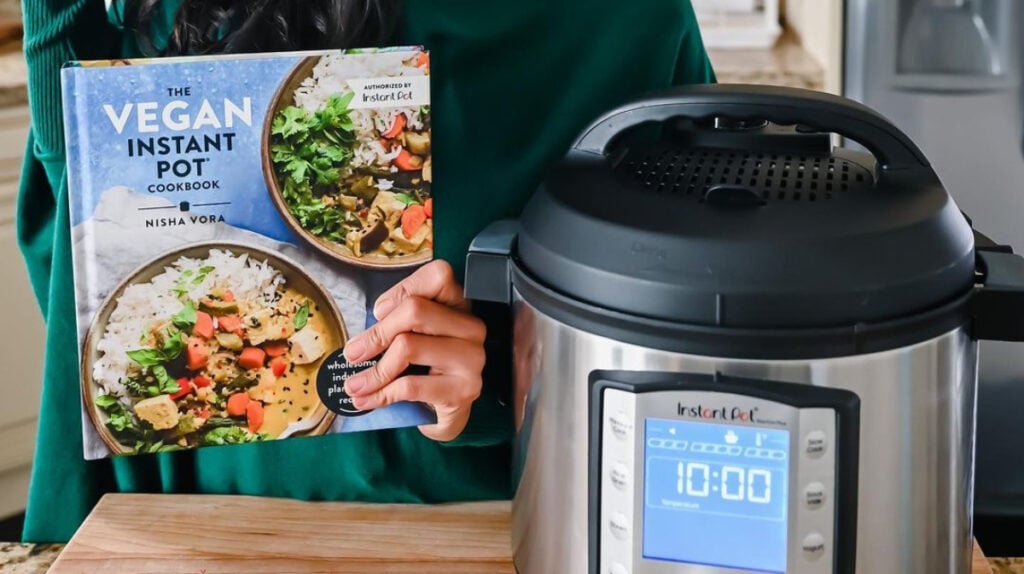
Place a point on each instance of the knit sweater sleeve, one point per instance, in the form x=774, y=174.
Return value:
x=54, y=32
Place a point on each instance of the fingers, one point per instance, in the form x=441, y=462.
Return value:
x=446, y=392
x=444, y=356
x=414, y=315
x=451, y=396
x=435, y=281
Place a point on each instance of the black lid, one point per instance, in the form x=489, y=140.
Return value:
x=738, y=213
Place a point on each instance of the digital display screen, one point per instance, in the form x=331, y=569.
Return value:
x=715, y=494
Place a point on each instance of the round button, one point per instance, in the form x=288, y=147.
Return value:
x=814, y=495
x=619, y=475
x=619, y=526
x=618, y=569
x=815, y=444
x=621, y=424
x=813, y=546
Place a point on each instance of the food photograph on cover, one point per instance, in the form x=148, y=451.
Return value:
x=229, y=238
x=355, y=183
x=208, y=345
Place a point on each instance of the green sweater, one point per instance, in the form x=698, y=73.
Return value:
x=513, y=83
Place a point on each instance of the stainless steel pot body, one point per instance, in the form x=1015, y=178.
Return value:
x=916, y=442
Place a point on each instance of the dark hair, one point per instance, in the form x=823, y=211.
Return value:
x=234, y=26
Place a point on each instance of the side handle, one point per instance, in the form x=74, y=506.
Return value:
x=488, y=275
x=997, y=307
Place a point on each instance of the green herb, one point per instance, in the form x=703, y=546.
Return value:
x=406, y=199
x=189, y=279
x=302, y=316
x=146, y=357
x=217, y=422
x=134, y=387
x=185, y=318
x=187, y=424
x=120, y=420
x=308, y=149
x=166, y=384
x=106, y=401
x=229, y=435
x=174, y=344
x=240, y=383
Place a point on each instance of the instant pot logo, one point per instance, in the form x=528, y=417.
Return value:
x=718, y=414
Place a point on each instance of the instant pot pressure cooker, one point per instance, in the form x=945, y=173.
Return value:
x=738, y=349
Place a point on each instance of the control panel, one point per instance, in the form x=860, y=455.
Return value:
x=706, y=475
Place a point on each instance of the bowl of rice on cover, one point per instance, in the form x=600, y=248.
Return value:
x=352, y=182
x=212, y=344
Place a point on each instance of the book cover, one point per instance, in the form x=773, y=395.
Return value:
x=233, y=218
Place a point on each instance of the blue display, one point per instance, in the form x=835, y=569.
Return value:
x=715, y=494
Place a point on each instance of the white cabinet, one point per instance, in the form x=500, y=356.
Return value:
x=21, y=329
x=819, y=23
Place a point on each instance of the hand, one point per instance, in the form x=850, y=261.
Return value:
x=424, y=320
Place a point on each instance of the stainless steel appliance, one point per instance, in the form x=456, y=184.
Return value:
x=738, y=349
x=948, y=73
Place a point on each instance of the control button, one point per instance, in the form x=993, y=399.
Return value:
x=619, y=526
x=619, y=476
x=817, y=442
x=618, y=569
x=813, y=546
x=622, y=424
x=814, y=495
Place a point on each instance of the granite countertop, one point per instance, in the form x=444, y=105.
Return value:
x=1007, y=565
x=27, y=558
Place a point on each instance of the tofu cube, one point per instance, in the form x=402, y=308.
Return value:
x=306, y=347
x=160, y=412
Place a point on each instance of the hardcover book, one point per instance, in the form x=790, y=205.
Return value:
x=233, y=218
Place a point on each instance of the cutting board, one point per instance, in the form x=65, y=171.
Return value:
x=206, y=534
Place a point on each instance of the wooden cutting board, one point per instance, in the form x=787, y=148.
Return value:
x=205, y=534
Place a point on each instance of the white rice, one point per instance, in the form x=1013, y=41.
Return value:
x=330, y=77
x=144, y=305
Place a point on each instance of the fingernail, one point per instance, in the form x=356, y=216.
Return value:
x=361, y=403
x=383, y=307
x=354, y=350
x=354, y=384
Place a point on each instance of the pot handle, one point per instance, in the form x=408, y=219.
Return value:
x=997, y=307
x=810, y=110
x=488, y=276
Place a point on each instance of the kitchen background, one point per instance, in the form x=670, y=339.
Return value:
x=850, y=47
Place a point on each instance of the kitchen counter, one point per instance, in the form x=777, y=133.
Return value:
x=787, y=64
x=220, y=534
x=27, y=558
x=13, y=76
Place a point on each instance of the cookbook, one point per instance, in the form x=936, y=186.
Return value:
x=232, y=220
